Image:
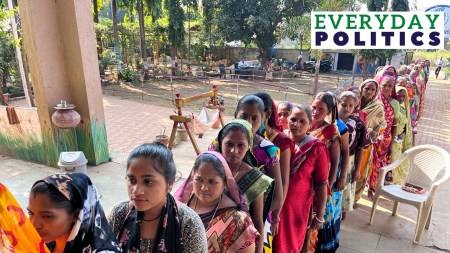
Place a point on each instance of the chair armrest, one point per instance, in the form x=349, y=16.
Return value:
x=440, y=181
x=392, y=166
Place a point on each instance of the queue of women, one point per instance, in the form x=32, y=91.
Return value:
x=299, y=168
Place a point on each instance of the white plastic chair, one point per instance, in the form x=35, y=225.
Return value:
x=425, y=163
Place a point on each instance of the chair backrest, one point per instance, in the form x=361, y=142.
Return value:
x=425, y=163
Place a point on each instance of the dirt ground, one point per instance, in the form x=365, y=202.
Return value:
x=161, y=90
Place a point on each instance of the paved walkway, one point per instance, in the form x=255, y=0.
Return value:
x=131, y=123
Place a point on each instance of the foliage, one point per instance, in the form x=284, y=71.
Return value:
x=129, y=75
x=299, y=28
x=106, y=58
x=176, y=22
x=432, y=56
x=8, y=64
x=400, y=5
x=377, y=5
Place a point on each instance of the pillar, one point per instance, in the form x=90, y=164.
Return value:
x=59, y=40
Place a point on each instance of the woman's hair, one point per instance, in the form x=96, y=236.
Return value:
x=233, y=126
x=56, y=197
x=250, y=100
x=347, y=94
x=354, y=90
x=330, y=100
x=214, y=161
x=306, y=109
x=268, y=105
x=288, y=104
x=160, y=156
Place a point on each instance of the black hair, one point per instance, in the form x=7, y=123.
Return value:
x=233, y=126
x=306, y=109
x=330, y=100
x=250, y=100
x=268, y=105
x=288, y=104
x=160, y=156
x=211, y=159
x=56, y=197
x=347, y=94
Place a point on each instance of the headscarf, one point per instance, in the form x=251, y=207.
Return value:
x=17, y=234
x=184, y=192
x=382, y=75
x=168, y=236
x=92, y=230
x=363, y=84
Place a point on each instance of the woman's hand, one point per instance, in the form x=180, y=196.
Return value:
x=316, y=223
x=275, y=228
x=356, y=176
x=340, y=184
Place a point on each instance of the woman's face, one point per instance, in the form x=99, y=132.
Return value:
x=401, y=96
x=346, y=107
x=386, y=87
x=147, y=188
x=208, y=185
x=402, y=82
x=390, y=72
x=234, y=146
x=50, y=221
x=283, y=115
x=251, y=113
x=298, y=123
x=369, y=91
x=319, y=110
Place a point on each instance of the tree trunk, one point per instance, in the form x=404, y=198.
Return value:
x=19, y=54
x=97, y=35
x=2, y=99
x=142, y=30
x=116, y=37
x=365, y=70
x=173, y=52
x=264, y=55
x=355, y=61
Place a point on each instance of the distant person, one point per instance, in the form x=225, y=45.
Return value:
x=439, y=65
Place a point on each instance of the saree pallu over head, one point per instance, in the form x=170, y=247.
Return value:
x=383, y=74
x=184, y=192
x=375, y=121
x=231, y=229
x=17, y=234
x=91, y=232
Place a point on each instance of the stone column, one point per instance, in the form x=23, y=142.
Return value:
x=59, y=40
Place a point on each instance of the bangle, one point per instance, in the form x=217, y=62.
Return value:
x=321, y=221
x=277, y=220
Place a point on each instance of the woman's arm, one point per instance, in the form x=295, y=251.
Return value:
x=256, y=212
x=285, y=166
x=358, y=154
x=277, y=198
x=335, y=151
x=320, y=199
x=345, y=157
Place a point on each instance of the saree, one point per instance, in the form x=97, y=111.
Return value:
x=231, y=229
x=327, y=238
x=382, y=148
x=17, y=234
x=309, y=169
x=404, y=133
x=91, y=232
x=375, y=125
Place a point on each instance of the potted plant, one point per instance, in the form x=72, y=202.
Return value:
x=182, y=133
x=162, y=137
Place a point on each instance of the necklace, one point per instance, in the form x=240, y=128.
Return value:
x=239, y=170
x=215, y=210
x=152, y=219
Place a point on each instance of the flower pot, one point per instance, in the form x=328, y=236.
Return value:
x=182, y=133
x=65, y=116
x=162, y=138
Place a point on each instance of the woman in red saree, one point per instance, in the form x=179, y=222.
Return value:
x=382, y=149
x=307, y=185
